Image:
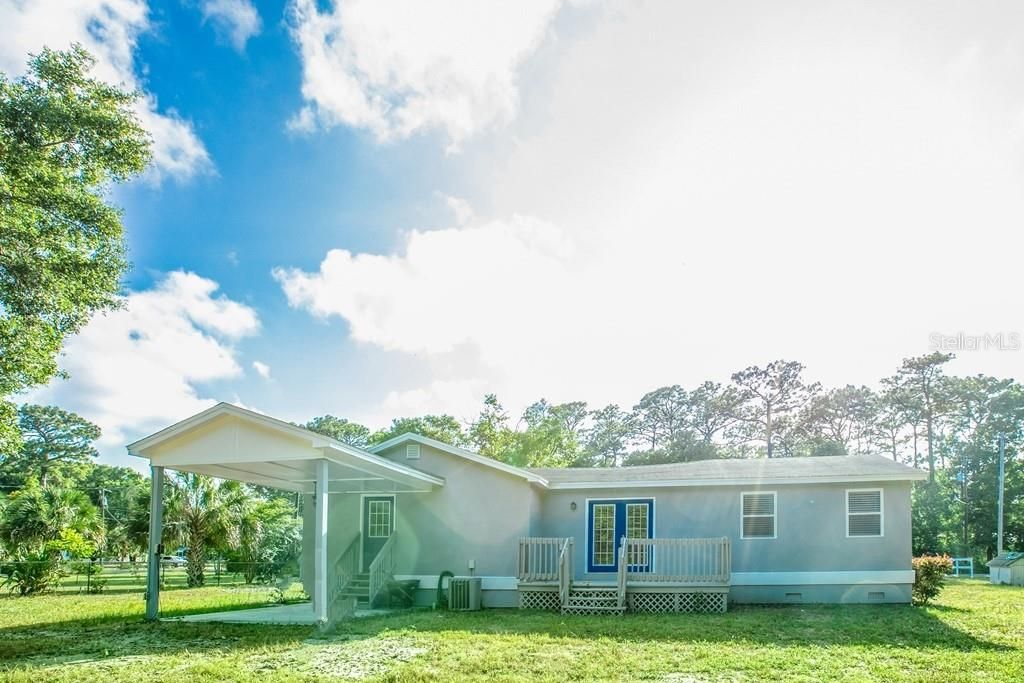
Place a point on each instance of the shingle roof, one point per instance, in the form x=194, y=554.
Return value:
x=1006, y=560
x=709, y=472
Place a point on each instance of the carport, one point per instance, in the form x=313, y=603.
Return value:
x=229, y=442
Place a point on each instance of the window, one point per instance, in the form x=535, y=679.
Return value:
x=412, y=451
x=758, y=515
x=863, y=512
x=379, y=522
x=604, y=535
x=637, y=526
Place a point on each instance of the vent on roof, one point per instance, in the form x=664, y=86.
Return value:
x=412, y=451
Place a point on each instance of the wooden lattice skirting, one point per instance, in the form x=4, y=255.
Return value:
x=546, y=600
x=690, y=601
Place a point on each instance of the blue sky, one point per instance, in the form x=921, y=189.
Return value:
x=388, y=208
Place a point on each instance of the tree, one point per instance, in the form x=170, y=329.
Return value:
x=199, y=516
x=268, y=537
x=660, y=415
x=52, y=438
x=551, y=436
x=604, y=442
x=40, y=523
x=64, y=138
x=711, y=409
x=888, y=426
x=490, y=434
x=121, y=495
x=443, y=428
x=770, y=394
x=923, y=383
x=839, y=421
x=341, y=429
x=988, y=407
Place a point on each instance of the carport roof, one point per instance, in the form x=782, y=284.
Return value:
x=230, y=442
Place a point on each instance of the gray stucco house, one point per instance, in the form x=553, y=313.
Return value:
x=688, y=536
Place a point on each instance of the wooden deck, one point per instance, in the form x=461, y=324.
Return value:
x=654, y=575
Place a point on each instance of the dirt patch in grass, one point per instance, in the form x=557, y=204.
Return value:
x=340, y=657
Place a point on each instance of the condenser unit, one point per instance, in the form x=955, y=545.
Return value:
x=464, y=593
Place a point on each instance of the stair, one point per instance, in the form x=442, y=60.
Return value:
x=592, y=601
x=358, y=588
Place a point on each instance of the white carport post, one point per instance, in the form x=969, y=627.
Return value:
x=320, y=541
x=156, y=529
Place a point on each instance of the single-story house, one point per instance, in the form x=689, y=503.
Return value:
x=1007, y=568
x=671, y=537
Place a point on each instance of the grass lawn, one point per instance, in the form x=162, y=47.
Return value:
x=975, y=632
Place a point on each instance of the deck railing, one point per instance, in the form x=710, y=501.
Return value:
x=565, y=571
x=345, y=569
x=382, y=569
x=621, y=574
x=539, y=558
x=676, y=560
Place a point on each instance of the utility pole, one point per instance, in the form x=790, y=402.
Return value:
x=1002, y=467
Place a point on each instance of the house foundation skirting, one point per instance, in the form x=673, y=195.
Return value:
x=652, y=600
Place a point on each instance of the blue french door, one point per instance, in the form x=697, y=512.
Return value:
x=608, y=521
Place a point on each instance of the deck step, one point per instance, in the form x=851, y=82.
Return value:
x=593, y=600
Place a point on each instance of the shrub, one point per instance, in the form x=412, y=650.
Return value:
x=930, y=576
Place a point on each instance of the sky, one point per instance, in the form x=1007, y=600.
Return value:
x=387, y=208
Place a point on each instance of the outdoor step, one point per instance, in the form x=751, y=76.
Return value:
x=582, y=602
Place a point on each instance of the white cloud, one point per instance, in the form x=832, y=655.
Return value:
x=110, y=30
x=398, y=67
x=262, y=369
x=460, y=208
x=691, y=196
x=237, y=20
x=140, y=368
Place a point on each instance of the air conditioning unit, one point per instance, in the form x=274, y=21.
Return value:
x=464, y=593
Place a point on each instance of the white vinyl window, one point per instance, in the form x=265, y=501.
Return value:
x=379, y=523
x=864, y=512
x=412, y=451
x=757, y=515
x=604, y=535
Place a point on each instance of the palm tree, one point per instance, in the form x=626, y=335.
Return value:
x=200, y=514
x=267, y=532
x=39, y=525
x=37, y=515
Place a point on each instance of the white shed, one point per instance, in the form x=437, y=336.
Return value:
x=1007, y=568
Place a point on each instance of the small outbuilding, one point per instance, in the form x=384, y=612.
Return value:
x=1007, y=568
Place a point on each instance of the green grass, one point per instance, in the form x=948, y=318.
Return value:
x=975, y=632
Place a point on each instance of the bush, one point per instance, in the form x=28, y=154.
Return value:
x=930, y=576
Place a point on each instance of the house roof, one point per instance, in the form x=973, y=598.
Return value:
x=827, y=469
x=1006, y=560
x=409, y=437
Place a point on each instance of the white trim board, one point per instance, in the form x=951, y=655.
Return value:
x=488, y=583
x=842, y=578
